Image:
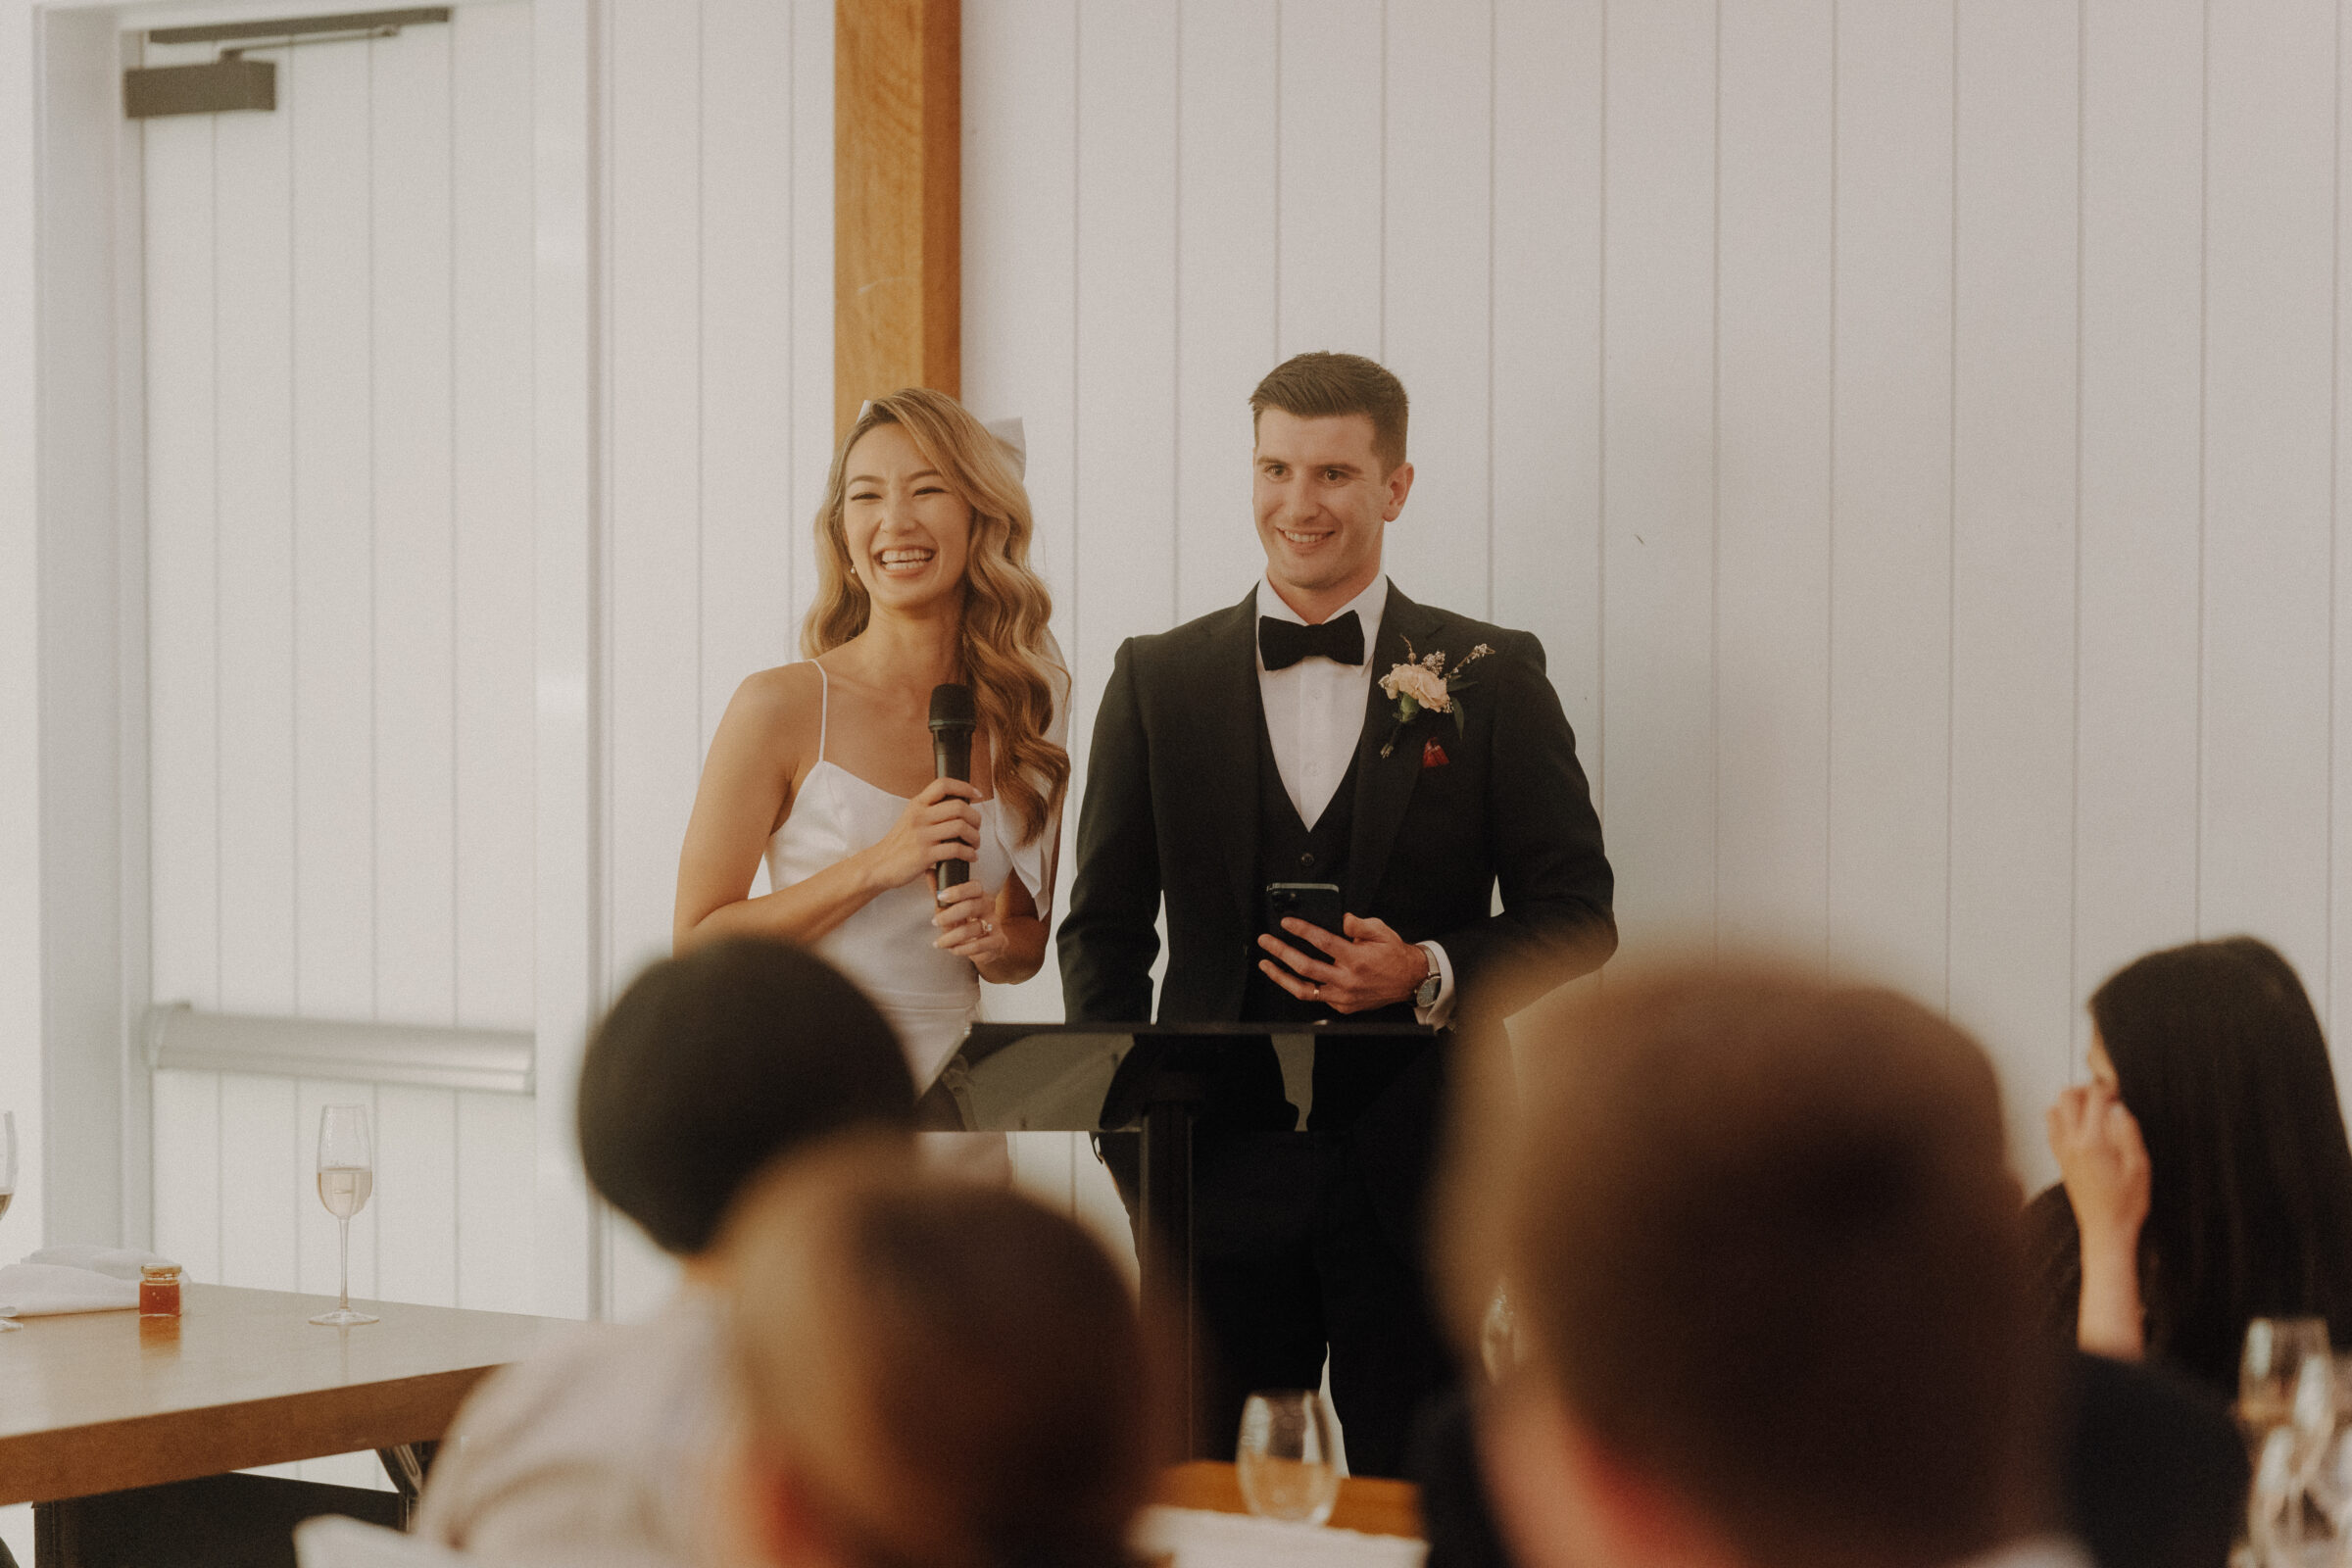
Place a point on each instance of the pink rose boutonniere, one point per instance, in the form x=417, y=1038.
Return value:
x=1423, y=681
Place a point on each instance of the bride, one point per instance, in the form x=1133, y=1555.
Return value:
x=825, y=768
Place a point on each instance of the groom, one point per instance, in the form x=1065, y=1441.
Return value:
x=1256, y=746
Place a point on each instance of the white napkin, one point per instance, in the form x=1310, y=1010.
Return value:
x=115, y=1262
x=329, y=1542
x=1196, y=1538
x=73, y=1278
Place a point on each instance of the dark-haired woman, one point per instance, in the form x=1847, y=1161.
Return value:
x=2206, y=1175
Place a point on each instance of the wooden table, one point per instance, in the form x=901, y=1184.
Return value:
x=99, y=1402
x=1367, y=1503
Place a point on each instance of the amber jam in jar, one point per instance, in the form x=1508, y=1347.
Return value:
x=158, y=1290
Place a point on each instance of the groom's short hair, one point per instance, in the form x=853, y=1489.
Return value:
x=713, y=1064
x=1323, y=385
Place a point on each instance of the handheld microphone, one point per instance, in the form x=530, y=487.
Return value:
x=952, y=720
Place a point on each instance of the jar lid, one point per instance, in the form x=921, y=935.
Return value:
x=159, y=1271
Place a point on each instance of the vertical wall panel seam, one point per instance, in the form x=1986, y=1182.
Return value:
x=457, y=641
x=457, y=730
x=220, y=828
x=1077, y=323
x=702, y=373
x=2074, y=815
x=1829, y=629
x=2204, y=341
x=1381, y=286
x=1493, y=116
x=603, y=136
x=1176, y=336
x=1600, y=467
x=791, y=305
x=294, y=538
x=1715, y=504
x=219, y=1207
x=375, y=857
x=1274, y=348
x=599, y=192
x=1952, y=509
x=2335, y=269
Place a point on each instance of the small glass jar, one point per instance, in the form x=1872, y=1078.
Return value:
x=158, y=1290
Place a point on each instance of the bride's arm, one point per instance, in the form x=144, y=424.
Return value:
x=746, y=791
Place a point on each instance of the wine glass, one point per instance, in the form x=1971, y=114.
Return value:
x=346, y=1176
x=8, y=1191
x=2286, y=1410
x=2272, y=1369
x=2329, y=1487
x=1285, y=1456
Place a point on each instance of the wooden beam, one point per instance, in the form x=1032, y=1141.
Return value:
x=897, y=203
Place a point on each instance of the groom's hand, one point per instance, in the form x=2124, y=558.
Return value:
x=1371, y=966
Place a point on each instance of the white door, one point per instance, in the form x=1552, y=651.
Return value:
x=339, y=356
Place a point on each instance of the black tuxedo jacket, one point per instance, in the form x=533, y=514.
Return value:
x=1171, y=811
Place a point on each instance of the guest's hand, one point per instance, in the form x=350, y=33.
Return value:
x=968, y=923
x=2104, y=1164
x=1372, y=967
x=939, y=824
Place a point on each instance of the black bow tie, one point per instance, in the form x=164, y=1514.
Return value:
x=1283, y=643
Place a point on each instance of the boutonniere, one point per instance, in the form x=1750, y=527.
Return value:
x=1422, y=681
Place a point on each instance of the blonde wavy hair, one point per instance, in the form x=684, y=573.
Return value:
x=1007, y=654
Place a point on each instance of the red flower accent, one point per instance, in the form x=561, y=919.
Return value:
x=1433, y=755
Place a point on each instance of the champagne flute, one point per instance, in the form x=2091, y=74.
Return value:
x=1285, y=1456
x=2272, y=1369
x=8, y=1189
x=346, y=1176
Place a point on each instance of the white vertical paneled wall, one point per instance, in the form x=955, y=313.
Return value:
x=717, y=328
x=1913, y=429
x=341, y=305
x=340, y=523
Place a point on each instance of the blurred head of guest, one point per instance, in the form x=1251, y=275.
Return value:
x=2216, y=1058
x=712, y=1066
x=601, y=1449
x=1762, y=1252
x=935, y=1373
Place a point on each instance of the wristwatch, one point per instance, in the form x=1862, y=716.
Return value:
x=1425, y=996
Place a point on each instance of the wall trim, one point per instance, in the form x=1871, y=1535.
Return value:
x=489, y=1061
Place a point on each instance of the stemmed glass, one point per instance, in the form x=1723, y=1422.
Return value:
x=1285, y=1458
x=346, y=1176
x=8, y=1189
x=2272, y=1368
x=2287, y=1407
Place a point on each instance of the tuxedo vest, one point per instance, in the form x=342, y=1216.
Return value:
x=1289, y=851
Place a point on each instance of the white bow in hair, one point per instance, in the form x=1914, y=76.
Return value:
x=1009, y=436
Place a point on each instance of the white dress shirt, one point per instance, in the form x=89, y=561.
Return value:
x=1315, y=721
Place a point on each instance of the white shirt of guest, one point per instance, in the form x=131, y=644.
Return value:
x=1314, y=721
x=2037, y=1551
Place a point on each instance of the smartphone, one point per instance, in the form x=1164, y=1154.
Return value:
x=1316, y=903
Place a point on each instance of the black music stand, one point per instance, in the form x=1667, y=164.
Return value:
x=1098, y=1077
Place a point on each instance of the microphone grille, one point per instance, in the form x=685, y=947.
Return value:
x=952, y=706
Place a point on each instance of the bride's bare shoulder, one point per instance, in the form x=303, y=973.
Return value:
x=778, y=704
